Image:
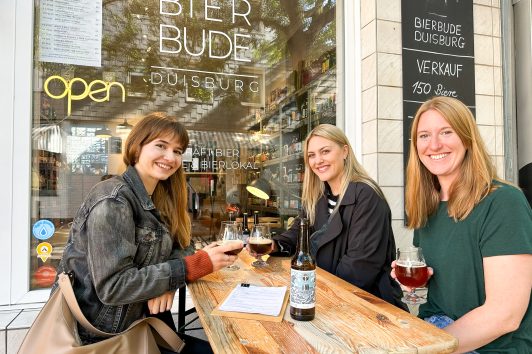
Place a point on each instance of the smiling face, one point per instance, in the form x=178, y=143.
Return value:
x=326, y=160
x=439, y=148
x=158, y=160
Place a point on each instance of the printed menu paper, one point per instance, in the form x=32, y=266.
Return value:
x=70, y=32
x=266, y=300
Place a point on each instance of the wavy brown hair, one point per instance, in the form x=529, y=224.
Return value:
x=170, y=195
x=477, y=171
x=313, y=188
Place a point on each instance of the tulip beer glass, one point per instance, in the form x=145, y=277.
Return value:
x=260, y=242
x=231, y=232
x=411, y=270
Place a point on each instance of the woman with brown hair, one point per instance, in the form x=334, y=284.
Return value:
x=129, y=246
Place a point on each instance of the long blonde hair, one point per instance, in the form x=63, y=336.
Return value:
x=313, y=188
x=477, y=171
x=170, y=195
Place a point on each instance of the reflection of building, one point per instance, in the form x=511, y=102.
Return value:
x=348, y=72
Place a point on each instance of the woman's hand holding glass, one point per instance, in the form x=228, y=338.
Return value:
x=412, y=272
x=219, y=257
x=231, y=234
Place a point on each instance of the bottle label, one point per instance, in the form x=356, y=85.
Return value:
x=303, y=289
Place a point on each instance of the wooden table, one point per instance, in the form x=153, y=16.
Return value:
x=348, y=319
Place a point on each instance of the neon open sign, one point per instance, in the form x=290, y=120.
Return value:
x=89, y=90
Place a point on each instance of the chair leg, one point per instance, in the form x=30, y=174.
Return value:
x=181, y=325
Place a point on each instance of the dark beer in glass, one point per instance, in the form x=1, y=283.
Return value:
x=260, y=246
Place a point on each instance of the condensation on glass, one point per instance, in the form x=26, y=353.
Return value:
x=249, y=79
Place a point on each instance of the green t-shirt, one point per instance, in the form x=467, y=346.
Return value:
x=501, y=224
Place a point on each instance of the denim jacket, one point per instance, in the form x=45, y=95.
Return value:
x=121, y=253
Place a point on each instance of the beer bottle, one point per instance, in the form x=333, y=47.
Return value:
x=245, y=228
x=303, y=278
x=255, y=217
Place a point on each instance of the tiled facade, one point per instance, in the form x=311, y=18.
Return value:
x=382, y=128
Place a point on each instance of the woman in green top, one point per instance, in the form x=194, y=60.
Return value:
x=475, y=231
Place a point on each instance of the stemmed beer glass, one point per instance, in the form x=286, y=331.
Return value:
x=411, y=270
x=231, y=232
x=260, y=242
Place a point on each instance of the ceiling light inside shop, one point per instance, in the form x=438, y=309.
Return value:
x=104, y=133
x=124, y=127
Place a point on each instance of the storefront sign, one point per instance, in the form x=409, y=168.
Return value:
x=438, y=55
x=214, y=41
x=206, y=159
x=174, y=40
x=88, y=90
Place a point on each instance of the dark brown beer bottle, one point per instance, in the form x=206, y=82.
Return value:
x=303, y=279
x=255, y=217
x=245, y=228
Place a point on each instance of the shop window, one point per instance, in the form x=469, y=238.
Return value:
x=248, y=81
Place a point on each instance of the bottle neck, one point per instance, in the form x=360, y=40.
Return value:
x=245, y=221
x=303, y=242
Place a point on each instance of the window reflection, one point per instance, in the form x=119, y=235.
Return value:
x=249, y=88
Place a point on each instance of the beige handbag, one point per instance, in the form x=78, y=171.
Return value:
x=55, y=330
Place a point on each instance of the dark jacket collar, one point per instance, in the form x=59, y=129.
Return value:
x=132, y=178
x=335, y=223
x=349, y=196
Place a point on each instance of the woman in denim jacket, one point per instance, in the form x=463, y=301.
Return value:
x=129, y=245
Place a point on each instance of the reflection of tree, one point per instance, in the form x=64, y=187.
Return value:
x=304, y=25
x=280, y=29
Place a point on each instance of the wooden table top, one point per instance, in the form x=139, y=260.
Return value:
x=348, y=319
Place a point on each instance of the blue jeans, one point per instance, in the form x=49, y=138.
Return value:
x=442, y=321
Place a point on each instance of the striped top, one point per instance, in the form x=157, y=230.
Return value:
x=331, y=199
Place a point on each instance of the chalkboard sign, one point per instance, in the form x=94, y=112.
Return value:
x=438, y=55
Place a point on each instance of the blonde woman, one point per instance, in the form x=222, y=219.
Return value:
x=129, y=246
x=475, y=231
x=350, y=219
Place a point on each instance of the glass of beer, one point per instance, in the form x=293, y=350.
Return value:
x=411, y=270
x=260, y=242
x=231, y=233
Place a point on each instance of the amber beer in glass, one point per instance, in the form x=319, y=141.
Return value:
x=413, y=275
x=411, y=270
x=303, y=278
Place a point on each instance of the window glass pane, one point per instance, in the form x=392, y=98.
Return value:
x=248, y=78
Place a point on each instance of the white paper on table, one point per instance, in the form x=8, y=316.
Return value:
x=266, y=300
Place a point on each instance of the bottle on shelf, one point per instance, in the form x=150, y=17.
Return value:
x=245, y=228
x=303, y=278
x=304, y=110
x=255, y=217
